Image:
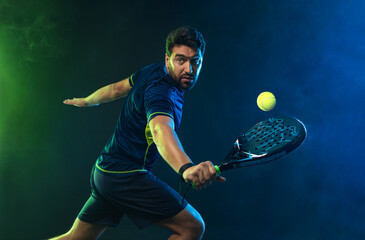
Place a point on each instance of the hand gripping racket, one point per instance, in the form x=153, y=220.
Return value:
x=264, y=142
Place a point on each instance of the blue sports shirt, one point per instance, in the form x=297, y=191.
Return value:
x=131, y=147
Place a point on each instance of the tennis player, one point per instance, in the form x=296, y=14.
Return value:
x=121, y=181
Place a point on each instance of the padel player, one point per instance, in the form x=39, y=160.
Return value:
x=121, y=180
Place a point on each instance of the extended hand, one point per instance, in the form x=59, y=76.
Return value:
x=202, y=175
x=78, y=102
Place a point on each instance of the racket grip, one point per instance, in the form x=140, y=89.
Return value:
x=219, y=172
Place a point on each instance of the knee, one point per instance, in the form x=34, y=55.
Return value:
x=197, y=229
x=201, y=228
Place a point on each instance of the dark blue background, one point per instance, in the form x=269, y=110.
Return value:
x=310, y=54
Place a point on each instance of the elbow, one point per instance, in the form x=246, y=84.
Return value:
x=121, y=88
x=117, y=90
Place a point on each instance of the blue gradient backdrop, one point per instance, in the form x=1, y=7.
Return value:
x=310, y=54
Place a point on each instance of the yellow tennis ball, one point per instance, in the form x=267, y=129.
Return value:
x=266, y=101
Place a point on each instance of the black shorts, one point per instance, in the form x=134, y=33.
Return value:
x=143, y=197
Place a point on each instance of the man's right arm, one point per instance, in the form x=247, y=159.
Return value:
x=171, y=150
x=105, y=94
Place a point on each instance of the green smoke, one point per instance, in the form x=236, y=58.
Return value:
x=29, y=29
x=28, y=40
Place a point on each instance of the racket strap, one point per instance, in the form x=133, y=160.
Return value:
x=182, y=180
x=181, y=199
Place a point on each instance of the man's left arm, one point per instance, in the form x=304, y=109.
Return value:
x=105, y=94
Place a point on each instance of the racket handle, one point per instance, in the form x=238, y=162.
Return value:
x=219, y=172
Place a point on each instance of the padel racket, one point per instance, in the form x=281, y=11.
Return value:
x=264, y=142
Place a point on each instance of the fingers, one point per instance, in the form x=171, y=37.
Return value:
x=206, y=176
x=68, y=102
x=221, y=179
x=202, y=175
x=78, y=102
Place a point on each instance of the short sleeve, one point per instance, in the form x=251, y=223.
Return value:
x=134, y=77
x=158, y=101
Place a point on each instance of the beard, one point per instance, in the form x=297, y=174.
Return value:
x=180, y=82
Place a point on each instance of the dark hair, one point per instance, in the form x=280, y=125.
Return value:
x=187, y=36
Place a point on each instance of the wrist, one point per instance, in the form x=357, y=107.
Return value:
x=89, y=103
x=183, y=168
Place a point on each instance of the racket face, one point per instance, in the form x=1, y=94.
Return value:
x=273, y=135
x=266, y=141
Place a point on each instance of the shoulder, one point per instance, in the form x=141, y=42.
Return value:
x=160, y=88
x=147, y=73
x=156, y=68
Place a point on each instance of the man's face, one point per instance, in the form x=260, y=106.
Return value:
x=184, y=66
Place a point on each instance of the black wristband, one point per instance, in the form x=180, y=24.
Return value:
x=184, y=167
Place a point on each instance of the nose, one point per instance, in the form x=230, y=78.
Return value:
x=189, y=67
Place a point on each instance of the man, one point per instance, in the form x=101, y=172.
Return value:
x=121, y=179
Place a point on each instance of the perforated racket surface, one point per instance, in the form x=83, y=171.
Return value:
x=266, y=141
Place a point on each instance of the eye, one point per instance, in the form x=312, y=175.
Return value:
x=196, y=61
x=180, y=60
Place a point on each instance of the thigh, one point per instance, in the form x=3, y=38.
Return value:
x=188, y=218
x=98, y=210
x=83, y=230
x=144, y=198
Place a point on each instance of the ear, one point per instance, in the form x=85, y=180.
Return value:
x=166, y=61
